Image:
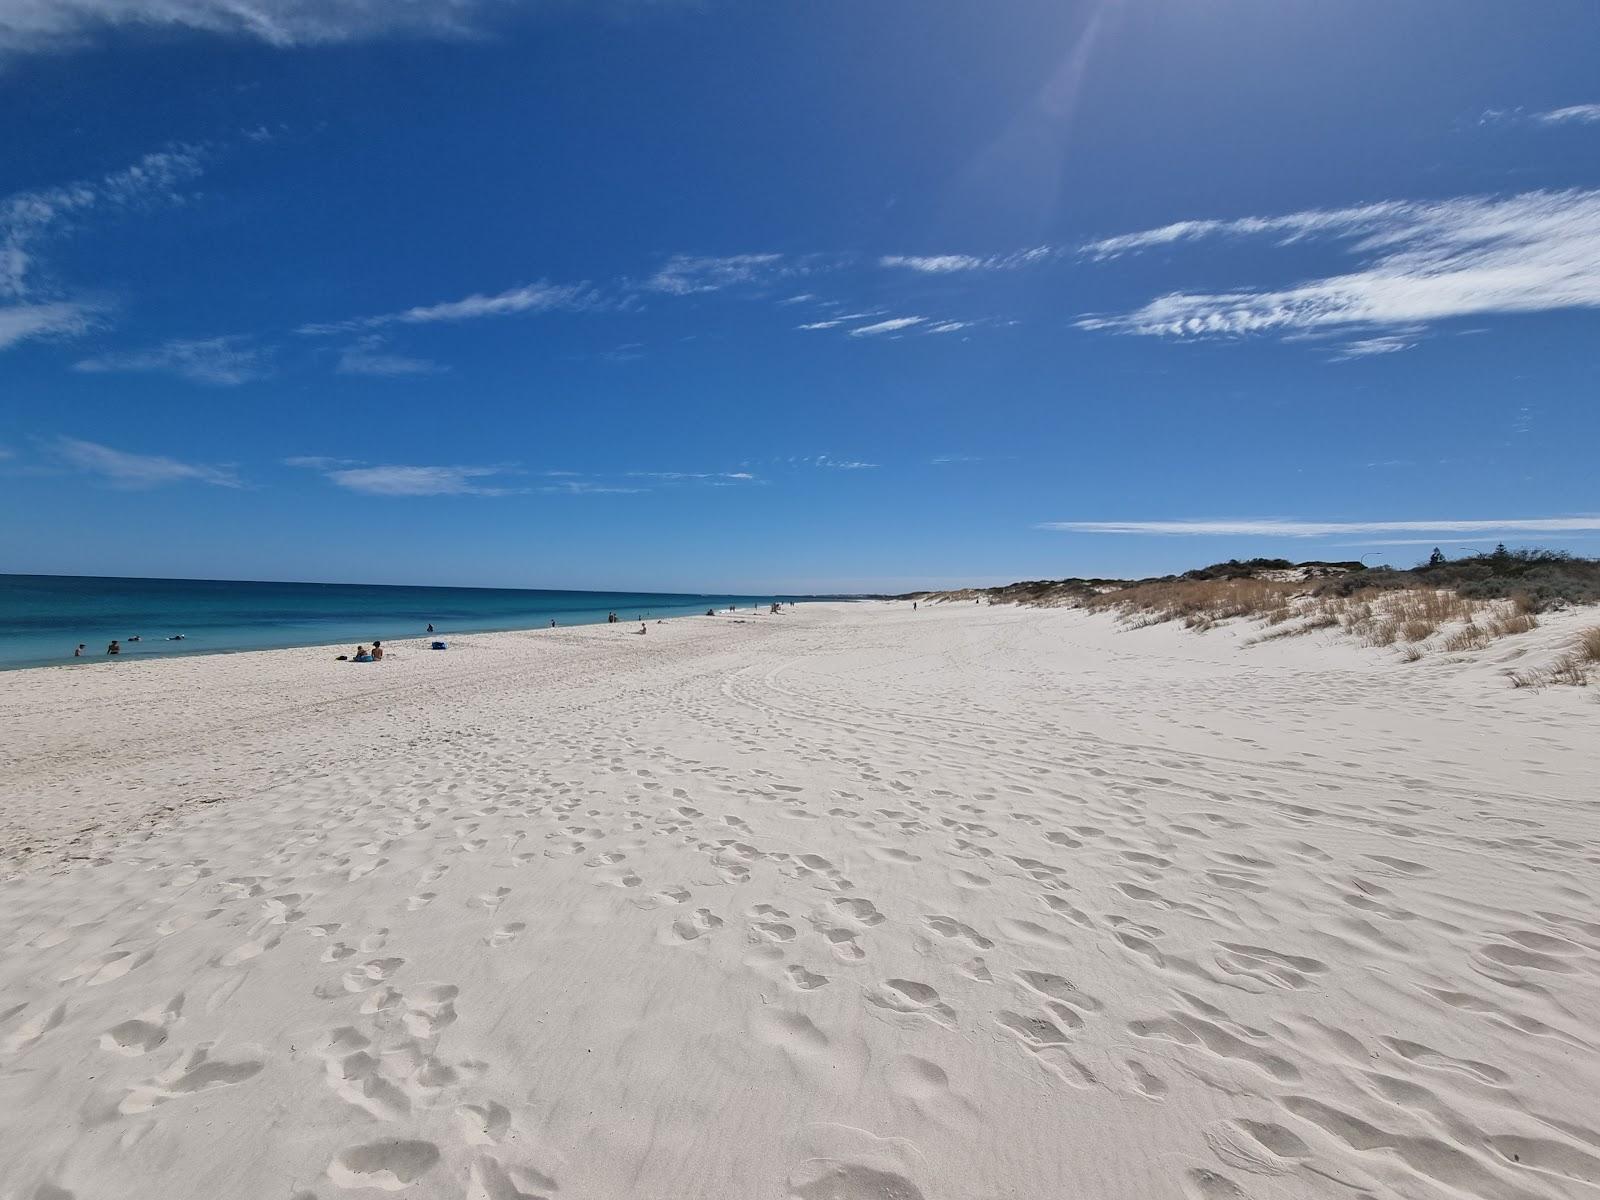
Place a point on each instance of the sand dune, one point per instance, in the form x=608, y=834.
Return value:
x=852, y=903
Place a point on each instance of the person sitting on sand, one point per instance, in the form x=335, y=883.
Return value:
x=114, y=648
x=377, y=651
x=362, y=655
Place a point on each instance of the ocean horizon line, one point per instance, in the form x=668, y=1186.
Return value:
x=461, y=587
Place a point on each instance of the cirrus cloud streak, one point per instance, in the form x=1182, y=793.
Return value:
x=1426, y=262
x=1272, y=527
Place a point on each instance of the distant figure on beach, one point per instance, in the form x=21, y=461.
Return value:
x=377, y=651
x=362, y=655
x=114, y=648
x=430, y=626
x=552, y=622
x=643, y=628
x=913, y=606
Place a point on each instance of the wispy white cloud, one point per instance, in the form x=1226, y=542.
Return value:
x=947, y=264
x=1284, y=230
x=832, y=323
x=892, y=325
x=319, y=462
x=29, y=220
x=687, y=274
x=949, y=326
x=28, y=217
x=828, y=462
x=590, y=487
x=1534, y=252
x=368, y=356
x=711, y=477
x=820, y=462
x=391, y=479
x=59, y=318
x=224, y=361
x=1373, y=346
x=527, y=298
x=125, y=470
x=1314, y=529
x=57, y=25
x=1572, y=114
x=533, y=297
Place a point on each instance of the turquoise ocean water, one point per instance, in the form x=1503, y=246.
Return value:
x=43, y=617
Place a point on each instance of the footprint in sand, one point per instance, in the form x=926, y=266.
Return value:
x=491, y=1179
x=909, y=996
x=370, y=974
x=483, y=1124
x=822, y=1179
x=105, y=968
x=845, y=945
x=1048, y=1042
x=692, y=927
x=430, y=1009
x=390, y=1166
x=195, y=1072
x=34, y=1028
x=145, y=1032
x=863, y=912
x=951, y=928
x=802, y=979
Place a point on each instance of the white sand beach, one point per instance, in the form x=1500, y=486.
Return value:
x=849, y=903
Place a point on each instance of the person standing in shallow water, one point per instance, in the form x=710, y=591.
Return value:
x=114, y=648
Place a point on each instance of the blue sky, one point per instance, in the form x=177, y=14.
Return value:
x=835, y=295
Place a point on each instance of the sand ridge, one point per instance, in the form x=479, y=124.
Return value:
x=853, y=903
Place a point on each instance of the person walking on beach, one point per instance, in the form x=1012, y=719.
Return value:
x=114, y=648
